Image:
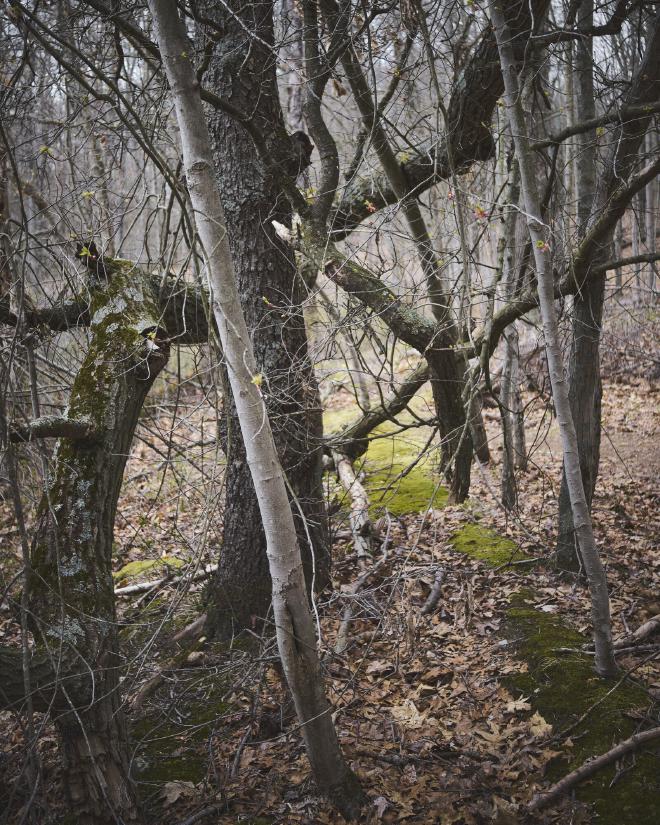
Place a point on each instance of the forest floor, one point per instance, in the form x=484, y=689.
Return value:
x=458, y=716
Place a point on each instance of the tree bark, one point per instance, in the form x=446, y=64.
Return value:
x=593, y=200
x=242, y=70
x=600, y=608
x=71, y=594
x=585, y=387
x=293, y=619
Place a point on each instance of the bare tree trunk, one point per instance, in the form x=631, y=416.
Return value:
x=293, y=618
x=584, y=379
x=585, y=388
x=600, y=608
x=510, y=389
x=516, y=404
x=652, y=209
x=292, y=50
x=618, y=253
x=271, y=292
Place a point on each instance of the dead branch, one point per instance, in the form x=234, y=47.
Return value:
x=143, y=587
x=342, y=636
x=434, y=596
x=52, y=426
x=353, y=439
x=191, y=631
x=361, y=526
x=591, y=767
x=642, y=632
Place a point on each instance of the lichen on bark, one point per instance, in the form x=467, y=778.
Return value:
x=71, y=592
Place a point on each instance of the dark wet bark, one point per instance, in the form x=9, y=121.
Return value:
x=585, y=395
x=242, y=71
x=71, y=597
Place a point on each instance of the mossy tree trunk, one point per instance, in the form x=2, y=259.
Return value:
x=71, y=597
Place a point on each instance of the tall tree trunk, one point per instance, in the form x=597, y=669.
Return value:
x=447, y=368
x=600, y=606
x=293, y=619
x=585, y=387
x=242, y=71
x=593, y=194
x=71, y=592
x=652, y=209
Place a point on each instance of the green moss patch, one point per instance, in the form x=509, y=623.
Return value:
x=138, y=568
x=169, y=751
x=481, y=543
x=390, y=482
x=562, y=687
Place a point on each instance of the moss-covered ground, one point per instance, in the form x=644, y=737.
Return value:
x=169, y=744
x=484, y=544
x=564, y=686
x=397, y=480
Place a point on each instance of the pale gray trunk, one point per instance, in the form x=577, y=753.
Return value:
x=295, y=628
x=539, y=235
x=585, y=389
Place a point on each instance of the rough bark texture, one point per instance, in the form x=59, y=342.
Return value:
x=296, y=639
x=242, y=71
x=71, y=598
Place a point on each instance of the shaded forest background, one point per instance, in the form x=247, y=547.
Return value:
x=474, y=647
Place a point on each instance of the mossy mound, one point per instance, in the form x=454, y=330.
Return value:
x=390, y=482
x=562, y=687
x=486, y=545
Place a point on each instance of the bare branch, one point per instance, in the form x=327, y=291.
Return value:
x=54, y=426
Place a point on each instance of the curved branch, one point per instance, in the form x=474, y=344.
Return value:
x=53, y=426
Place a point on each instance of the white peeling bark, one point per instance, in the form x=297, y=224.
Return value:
x=539, y=234
x=295, y=628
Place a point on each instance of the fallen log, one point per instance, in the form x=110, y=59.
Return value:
x=643, y=632
x=434, y=596
x=361, y=526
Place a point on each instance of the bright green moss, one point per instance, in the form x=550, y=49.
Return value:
x=562, y=687
x=481, y=543
x=138, y=568
x=389, y=482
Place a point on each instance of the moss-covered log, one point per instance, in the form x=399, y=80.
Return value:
x=71, y=597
